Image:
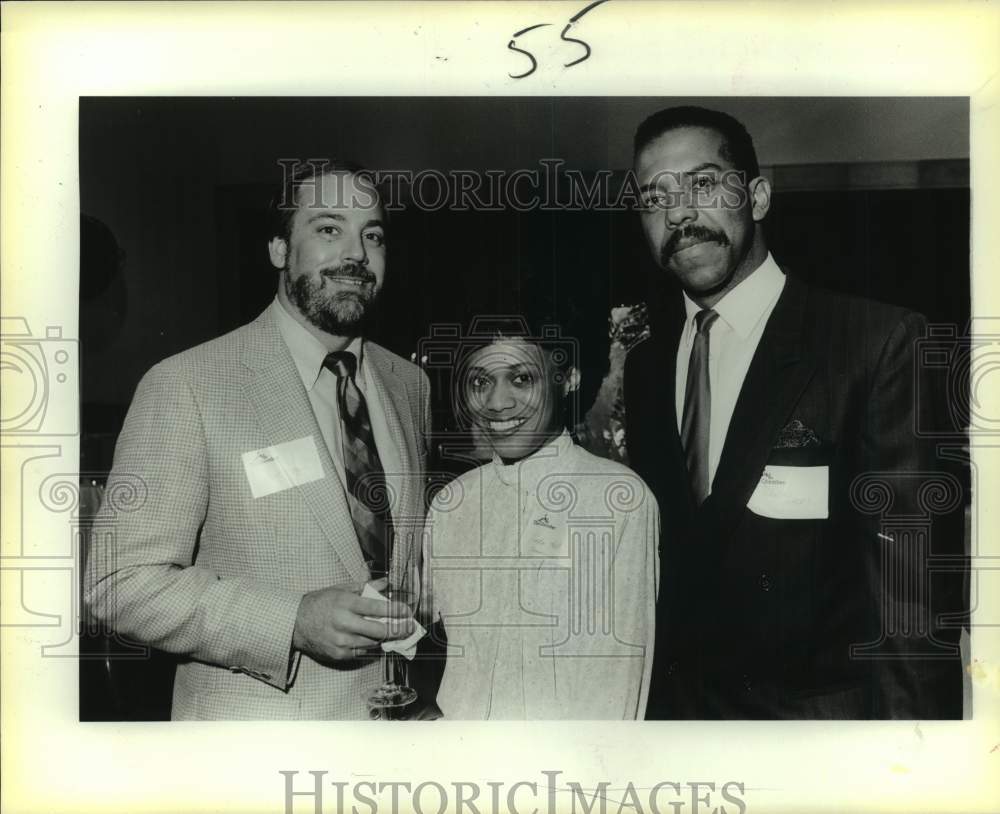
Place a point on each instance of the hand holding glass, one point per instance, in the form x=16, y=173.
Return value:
x=389, y=701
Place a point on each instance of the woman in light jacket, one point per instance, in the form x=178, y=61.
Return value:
x=542, y=563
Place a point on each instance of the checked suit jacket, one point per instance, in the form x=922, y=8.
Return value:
x=839, y=617
x=195, y=565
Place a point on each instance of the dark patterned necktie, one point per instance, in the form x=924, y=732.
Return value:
x=367, y=494
x=698, y=408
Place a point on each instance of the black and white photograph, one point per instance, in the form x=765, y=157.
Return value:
x=422, y=423
x=663, y=372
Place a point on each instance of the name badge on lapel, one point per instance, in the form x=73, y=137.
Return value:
x=273, y=469
x=792, y=493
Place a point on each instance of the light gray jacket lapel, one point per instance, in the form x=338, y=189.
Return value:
x=275, y=390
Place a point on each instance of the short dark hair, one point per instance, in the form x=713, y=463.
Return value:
x=533, y=326
x=284, y=202
x=737, y=146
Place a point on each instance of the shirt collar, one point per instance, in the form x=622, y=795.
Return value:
x=307, y=351
x=744, y=307
x=532, y=468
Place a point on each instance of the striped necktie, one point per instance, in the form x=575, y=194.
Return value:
x=367, y=494
x=696, y=422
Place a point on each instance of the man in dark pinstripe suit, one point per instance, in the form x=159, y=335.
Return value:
x=761, y=416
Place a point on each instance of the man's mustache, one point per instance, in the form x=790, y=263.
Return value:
x=353, y=271
x=689, y=236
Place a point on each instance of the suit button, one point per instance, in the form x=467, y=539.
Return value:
x=747, y=683
x=765, y=581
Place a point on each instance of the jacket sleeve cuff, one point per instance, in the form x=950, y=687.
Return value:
x=268, y=656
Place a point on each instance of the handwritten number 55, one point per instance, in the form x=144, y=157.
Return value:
x=512, y=45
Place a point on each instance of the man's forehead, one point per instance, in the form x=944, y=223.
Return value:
x=682, y=148
x=338, y=191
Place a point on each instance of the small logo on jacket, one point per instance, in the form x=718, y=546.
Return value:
x=544, y=522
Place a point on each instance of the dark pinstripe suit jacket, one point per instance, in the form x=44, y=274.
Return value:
x=822, y=618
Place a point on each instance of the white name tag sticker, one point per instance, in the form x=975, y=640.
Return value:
x=273, y=469
x=792, y=493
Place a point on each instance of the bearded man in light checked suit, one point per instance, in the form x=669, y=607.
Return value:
x=277, y=475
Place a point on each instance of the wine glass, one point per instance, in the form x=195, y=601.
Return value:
x=391, y=700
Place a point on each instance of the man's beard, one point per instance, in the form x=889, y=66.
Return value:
x=340, y=314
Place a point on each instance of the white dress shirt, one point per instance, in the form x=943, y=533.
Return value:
x=733, y=340
x=321, y=385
